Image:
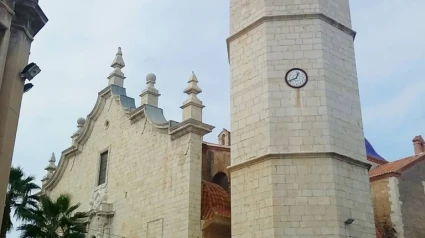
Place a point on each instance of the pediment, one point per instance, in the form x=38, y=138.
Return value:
x=119, y=94
x=153, y=115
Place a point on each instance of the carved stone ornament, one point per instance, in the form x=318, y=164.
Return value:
x=99, y=195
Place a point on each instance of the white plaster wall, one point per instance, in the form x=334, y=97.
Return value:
x=152, y=181
x=396, y=215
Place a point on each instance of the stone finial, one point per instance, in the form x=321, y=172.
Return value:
x=80, y=124
x=51, y=167
x=150, y=94
x=117, y=76
x=192, y=107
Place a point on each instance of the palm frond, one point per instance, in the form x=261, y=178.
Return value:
x=64, y=202
x=53, y=216
x=71, y=209
x=32, y=231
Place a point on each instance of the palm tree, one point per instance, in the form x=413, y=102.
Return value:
x=54, y=219
x=20, y=197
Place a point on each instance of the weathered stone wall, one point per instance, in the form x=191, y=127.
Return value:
x=153, y=183
x=215, y=159
x=381, y=203
x=412, y=196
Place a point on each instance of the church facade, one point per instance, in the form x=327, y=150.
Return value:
x=295, y=164
x=134, y=161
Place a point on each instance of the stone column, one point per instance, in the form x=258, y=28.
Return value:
x=28, y=20
x=6, y=15
x=190, y=134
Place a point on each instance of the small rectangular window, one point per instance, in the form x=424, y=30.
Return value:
x=102, y=168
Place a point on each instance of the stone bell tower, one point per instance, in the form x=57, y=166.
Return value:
x=298, y=163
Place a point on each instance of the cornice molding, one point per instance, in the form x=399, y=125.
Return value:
x=192, y=104
x=63, y=164
x=86, y=131
x=118, y=94
x=7, y=8
x=216, y=220
x=215, y=147
x=24, y=29
x=29, y=16
x=93, y=116
x=306, y=155
x=189, y=126
x=154, y=115
x=264, y=19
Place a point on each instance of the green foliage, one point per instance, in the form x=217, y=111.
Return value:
x=20, y=197
x=54, y=219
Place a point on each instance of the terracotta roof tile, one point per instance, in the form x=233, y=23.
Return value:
x=215, y=201
x=396, y=166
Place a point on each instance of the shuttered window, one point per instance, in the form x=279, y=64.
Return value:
x=103, y=166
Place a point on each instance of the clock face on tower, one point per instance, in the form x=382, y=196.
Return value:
x=296, y=78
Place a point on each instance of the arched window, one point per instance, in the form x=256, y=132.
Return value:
x=221, y=179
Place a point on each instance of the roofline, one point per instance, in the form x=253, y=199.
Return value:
x=398, y=172
x=216, y=146
x=411, y=164
x=376, y=160
x=384, y=176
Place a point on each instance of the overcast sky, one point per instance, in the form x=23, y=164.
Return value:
x=172, y=38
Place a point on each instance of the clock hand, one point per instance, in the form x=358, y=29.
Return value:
x=295, y=77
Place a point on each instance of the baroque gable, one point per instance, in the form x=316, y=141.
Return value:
x=122, y=155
